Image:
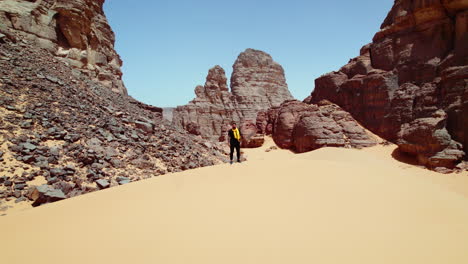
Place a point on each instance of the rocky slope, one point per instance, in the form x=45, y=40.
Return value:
x=76, y=32
x=410, y=85
x=257, y=83
x=63, y=134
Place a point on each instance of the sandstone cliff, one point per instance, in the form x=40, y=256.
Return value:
x=257, y=83
x=76, y=32
x=410, y=85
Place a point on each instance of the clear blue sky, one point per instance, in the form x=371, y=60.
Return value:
x=168, y=45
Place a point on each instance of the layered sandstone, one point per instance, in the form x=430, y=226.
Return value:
x=410, y=84
x=257, y=83
x=76, y=32
x=213, y=108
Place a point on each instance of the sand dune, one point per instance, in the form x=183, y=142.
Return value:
x=327, y=206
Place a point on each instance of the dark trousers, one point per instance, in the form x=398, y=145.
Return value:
x=235, y=145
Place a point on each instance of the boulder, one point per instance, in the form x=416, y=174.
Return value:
x=429, y=140
x=145, y=126
x=123, y=180
x=302, y=127
x=250, y=136
x=45, y=194
x=103, y=184
x=288, y=116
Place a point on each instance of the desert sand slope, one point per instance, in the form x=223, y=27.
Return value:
x=326, y=206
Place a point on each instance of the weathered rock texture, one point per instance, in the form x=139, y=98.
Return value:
x=410, y=85
x=213, y=108
x=76, y=32
x=257, y=83
x=70, y=135
x=303, y=127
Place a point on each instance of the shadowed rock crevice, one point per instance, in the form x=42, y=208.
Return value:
x=62, y=41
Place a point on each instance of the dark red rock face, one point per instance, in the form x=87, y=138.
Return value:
x=302, y=127
x=429, y=135
x=257, y=83
x=415, y=68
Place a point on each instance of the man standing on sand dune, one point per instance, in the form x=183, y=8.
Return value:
x=234, y=141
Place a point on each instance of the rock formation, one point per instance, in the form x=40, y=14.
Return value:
x=257, y=83
x=76, y=32
x=410, y=85
x=303, y=127
x=62, y=133
x=211, y=111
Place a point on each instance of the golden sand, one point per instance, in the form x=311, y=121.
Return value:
x=327, y=206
